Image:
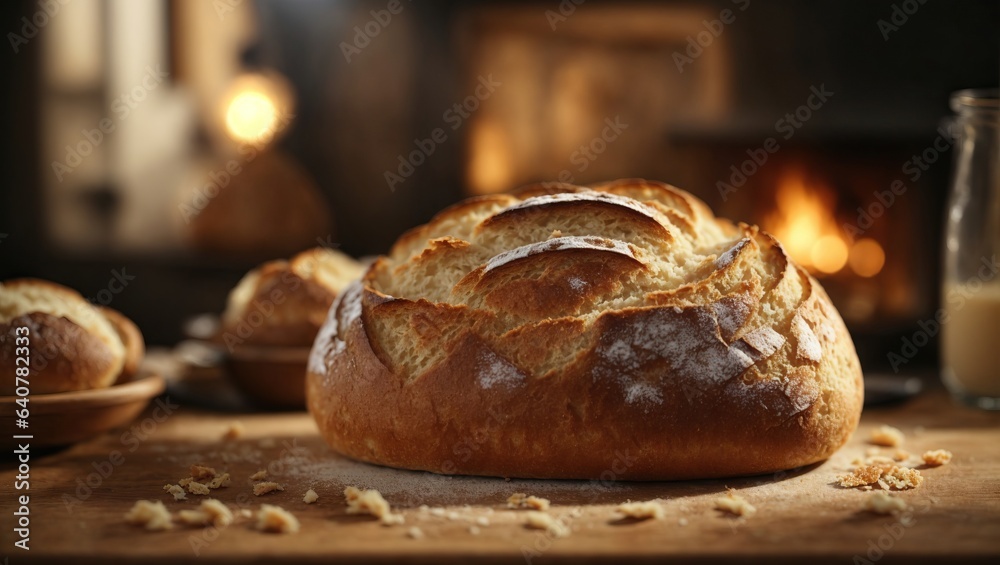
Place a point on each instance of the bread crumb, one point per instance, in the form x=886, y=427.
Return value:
x=882, y=502
x=259, y=475
x=521, y=500
x=310, y=497
x=415, y=533
x=900, y=455
x=194, y=487
x=871, y=451
x=185, y=481
x=276, y=519
x=483, y=521
x=220, y=481
x=202, y=472
x=885, y=475
x=265, y=487
x=234, y=431
x=210, y=511
x=682, y=521
x=937, y=457
x=246, y=513
x=453, y=516
x=887, y=436
x=438, y=512
x=474, y=530
x=370, y=502
x=176, y=490
x=542, y=521
x=642, y=510
x=735, y=504
x=152, y=515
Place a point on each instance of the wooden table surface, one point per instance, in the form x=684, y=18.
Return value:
x=802, y=516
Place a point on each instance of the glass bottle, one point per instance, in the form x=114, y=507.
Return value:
x=970, y=320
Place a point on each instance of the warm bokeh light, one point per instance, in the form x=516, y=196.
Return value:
x=829, y=254
x=257, y=107
x=804, y=222
x=251, y=116
x=489, y=167
x=867, y=258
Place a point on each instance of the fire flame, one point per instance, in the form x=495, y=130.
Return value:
x=804, y=222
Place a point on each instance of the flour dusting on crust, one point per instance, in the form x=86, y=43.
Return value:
x=809, y=346
x=493, y=370
x=344, y=311
x=727, y=258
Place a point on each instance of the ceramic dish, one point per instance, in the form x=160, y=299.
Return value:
x=65, y=418
x=273, y=377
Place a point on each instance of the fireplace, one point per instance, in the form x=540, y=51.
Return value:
x=841, y=151
x=855, y=201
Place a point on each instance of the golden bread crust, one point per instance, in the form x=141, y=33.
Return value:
x=580, y=341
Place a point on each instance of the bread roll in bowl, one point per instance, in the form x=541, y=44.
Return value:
x=72, y=344
x=284, y=303
x=563, y=332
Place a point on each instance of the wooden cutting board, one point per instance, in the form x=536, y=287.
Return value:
x=802, y=515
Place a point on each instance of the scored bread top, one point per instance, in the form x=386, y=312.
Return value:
x=722, y=297
x=632, y=281
x=557, y=324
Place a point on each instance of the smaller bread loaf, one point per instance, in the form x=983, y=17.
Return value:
x=284, y=303
x=73, y=345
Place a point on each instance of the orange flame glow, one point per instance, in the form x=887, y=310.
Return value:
x=805, y=224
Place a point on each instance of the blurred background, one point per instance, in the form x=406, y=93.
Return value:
x=173, y=145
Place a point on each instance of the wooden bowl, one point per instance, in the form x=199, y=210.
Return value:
x=65, y=418
x=273, y=377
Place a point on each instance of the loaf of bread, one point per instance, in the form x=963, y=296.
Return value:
x=618, y=332
x=283, y=303
x=73, y=345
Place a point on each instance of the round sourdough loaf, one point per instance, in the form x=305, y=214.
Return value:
x=619, y=331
